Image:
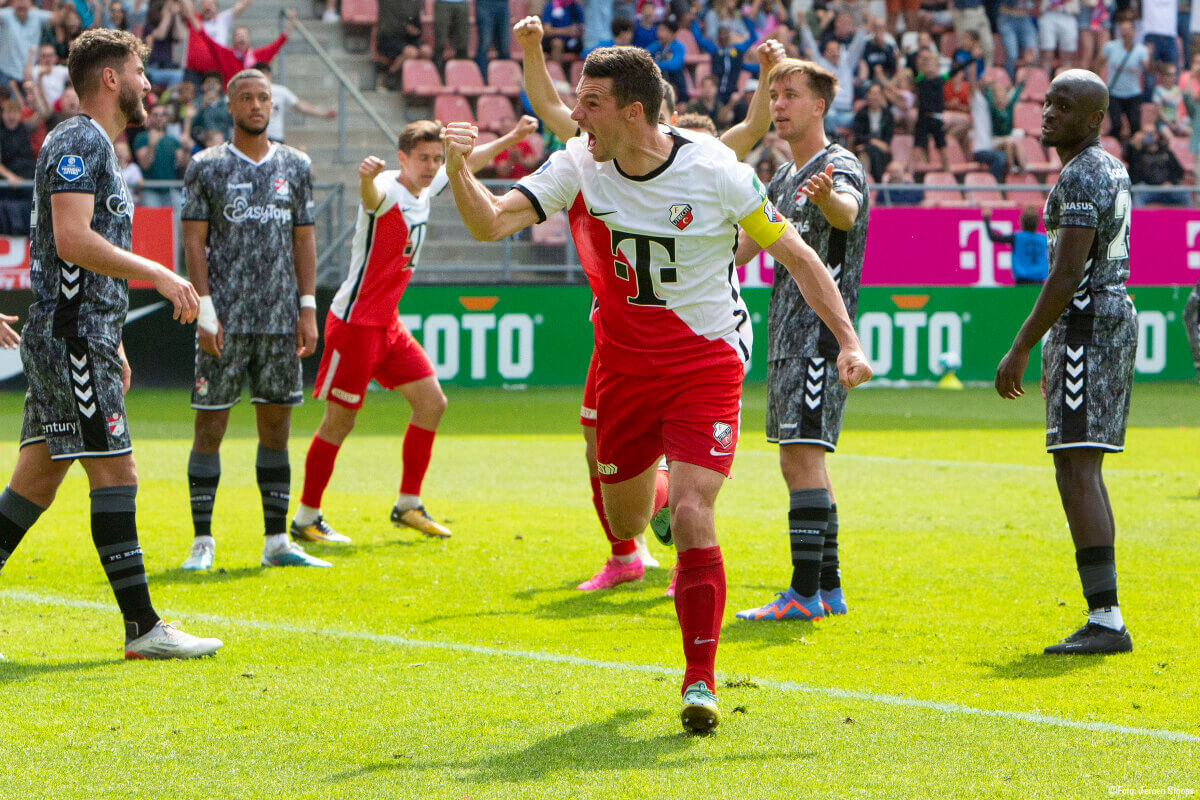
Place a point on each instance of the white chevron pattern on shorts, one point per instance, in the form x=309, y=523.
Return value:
x=1073, y=389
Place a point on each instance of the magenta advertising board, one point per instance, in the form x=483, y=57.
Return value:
x=948, y=247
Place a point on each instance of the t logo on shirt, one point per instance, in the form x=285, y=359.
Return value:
x=70, y=168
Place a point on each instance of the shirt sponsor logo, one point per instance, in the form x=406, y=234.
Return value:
x=241, y=211
x=1078, y=207
x=119, y=206
x=70, y=168
x=59, y=429
x=236, y=187
x=681, y=215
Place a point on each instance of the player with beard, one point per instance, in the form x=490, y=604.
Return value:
x=1090, y=329
x=248, y=236
x=823, y=191
x=673, y=334
x=80, y=265
x=628, y=559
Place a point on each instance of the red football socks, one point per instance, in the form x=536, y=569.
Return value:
x=700, y=604
x=620, y=547
x=418, y=449
x=318, y=468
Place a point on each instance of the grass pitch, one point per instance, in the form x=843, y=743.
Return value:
x=472, y=668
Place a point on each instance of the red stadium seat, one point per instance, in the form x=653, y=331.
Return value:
x=538, y=145
x=360, y=12
x=1028, y=117
x=902, y=147
x=997, y=75
x=943, y=198
x=485, y=137
x=691, y=50
x=463, y=77
x=495, y=113
x=505, y=77
x=1112, y=145
x=1024, y=197
x=983, y=196
x=958, y=161
x=517, y=10
x=1034, y=156
x=1187, y=159
x=576, y=73
x=1036, y=83
x=702, y=69
x=452, y=108
x=551, y=232
x=556, y=71
x=420, y=78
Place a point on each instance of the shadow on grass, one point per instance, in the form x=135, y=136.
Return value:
x=1038, y=665
x=184, y=577
x=13, y=671
x=781, y=633
x=582, y=749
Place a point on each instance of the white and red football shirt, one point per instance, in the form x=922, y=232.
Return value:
x=658, y=250
x=386, y=249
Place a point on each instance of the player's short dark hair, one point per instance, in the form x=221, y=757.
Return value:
x=244, y=75
x=418, y=132
x=621, y=25
x=824, y=84
x=668, y=98
x=697, y=122
x=635, y=77
x=99, y=49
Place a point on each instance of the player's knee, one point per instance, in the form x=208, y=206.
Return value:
x=209, y=433
x=626, y=523
x=690, y=515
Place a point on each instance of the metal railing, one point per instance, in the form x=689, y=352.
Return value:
x=345, y=87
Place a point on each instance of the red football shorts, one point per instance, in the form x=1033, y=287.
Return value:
x=357, y=354
x=587, y=411
x=693, y=417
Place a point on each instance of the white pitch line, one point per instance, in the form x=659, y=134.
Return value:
x=649, y=669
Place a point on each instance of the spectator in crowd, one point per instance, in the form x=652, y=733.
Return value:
x=167, y=26
x=873, y=129
x=1094, y=22
x=492, y=24
x=50, y=76
x=970, y=55
x=764, y=170
x=66, y=107
x=1152, y=163
x=969, y=16
x=898, y=174
x=213, y=113
x=598, y=19
x=1168, y=101
x=956, y=113
x=1191, y=99
x=925, y=44
x=1126, y=64
x=562, y=21
x=130, y=170
x=330, y=15
x=728, y=59
x=179, y=100
x=879, y=58
x=451, y=29
x=282, y=100
x=1001, y=102
x=1030, y=256
x=911, y=10
x=1160, y=20
x=116, y=17
x=645, y=32
x=17, y=163
x=219, y=24
x=20, y=32
x=707, y=103
x=901, y=94
x=1018, y=34
x=622, y=34
x=983, y=150
x=519, y=158
x=64, y=27
x=669, y=54
x=726, y=13
x=205, y=55
x=842, y=62
x=935, y=17
x=161, y=156
x=1058, y=30
x=929, y=132
x=395, y=38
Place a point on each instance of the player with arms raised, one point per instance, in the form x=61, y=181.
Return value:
x=823, y=191
x=248, y=235
x=629, y=558
x=80, y=265
x=1088, y=356
x=364, y=338
x=672, y=335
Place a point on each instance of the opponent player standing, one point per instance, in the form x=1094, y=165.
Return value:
x=1088, y=356
x=673, y=334
x=80, y=264
x=823, y=192
x=628, y=559
x=248, y=235
x=364, y=338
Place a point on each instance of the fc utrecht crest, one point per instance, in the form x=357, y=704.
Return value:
x=681, y=215
x=723, y=433
x=281, y=186
x=116, y=424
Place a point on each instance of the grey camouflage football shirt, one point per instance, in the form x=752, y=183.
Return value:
x=251, y=209
x=69, y=301
x=1093, y=192
x=793, y=329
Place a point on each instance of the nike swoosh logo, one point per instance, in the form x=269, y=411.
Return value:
x=703, y=641
x=138, y=313
x=718, y=453
x=595, y=213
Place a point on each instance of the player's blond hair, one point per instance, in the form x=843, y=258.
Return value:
x=822, y=82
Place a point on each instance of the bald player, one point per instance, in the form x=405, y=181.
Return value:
x=1088, y=355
